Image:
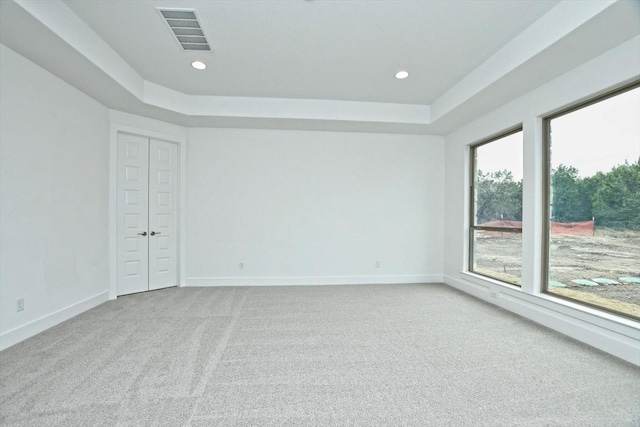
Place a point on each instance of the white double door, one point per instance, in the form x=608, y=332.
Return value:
x=147, y=214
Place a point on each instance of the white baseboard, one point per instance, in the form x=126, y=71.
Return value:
x=34, y=327
x=312, y=280
x=616, y=336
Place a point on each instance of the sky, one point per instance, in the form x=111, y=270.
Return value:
x=505, y=153
x=593, y=139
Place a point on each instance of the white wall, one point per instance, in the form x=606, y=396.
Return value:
x=301, y=207
x=53, y=199
x=615, y=335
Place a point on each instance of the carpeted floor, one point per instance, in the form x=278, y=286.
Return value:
x=420, y=355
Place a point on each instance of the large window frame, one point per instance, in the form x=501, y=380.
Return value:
x=546, y=197
x=472, y=202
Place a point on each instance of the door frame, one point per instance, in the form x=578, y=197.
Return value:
x=147, y=128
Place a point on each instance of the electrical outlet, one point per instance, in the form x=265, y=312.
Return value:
x=377, y=264
x=241, y=266
x=20, y=304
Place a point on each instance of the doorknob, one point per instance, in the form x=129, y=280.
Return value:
x=153, y=233
x=144, y=233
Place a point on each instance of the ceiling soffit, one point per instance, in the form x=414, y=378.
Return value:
x=565, y=20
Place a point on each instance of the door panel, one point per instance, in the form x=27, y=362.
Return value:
x=163, y=214
x=132, y=214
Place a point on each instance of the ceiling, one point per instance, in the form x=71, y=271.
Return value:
x=315, y=49
x=326, y=65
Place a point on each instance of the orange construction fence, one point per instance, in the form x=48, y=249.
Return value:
x=582, y=228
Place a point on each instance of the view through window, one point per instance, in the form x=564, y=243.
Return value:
x=496, y=213
x=594, y=204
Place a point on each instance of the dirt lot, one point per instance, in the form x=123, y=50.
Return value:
x=609, y=254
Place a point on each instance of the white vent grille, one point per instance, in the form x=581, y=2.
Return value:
x=185, y=28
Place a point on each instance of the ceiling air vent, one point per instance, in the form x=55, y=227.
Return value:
x=185, y=28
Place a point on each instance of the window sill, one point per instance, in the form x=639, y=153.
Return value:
x=487, y=281
x=603, y=319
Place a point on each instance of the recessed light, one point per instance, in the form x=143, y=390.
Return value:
x=198, y=65
x=402, y=75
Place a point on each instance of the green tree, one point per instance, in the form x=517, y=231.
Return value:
x=616, y=199
x=571, y=199
x=498, y=196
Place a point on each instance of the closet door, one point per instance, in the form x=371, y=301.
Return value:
x=132, y=214
x=163, y=214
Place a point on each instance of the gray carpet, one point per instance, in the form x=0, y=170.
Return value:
x=421, y=355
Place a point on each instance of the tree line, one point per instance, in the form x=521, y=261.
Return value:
x=612, y=198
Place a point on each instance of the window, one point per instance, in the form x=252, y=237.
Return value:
x=495, y=235
x=593, y=203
